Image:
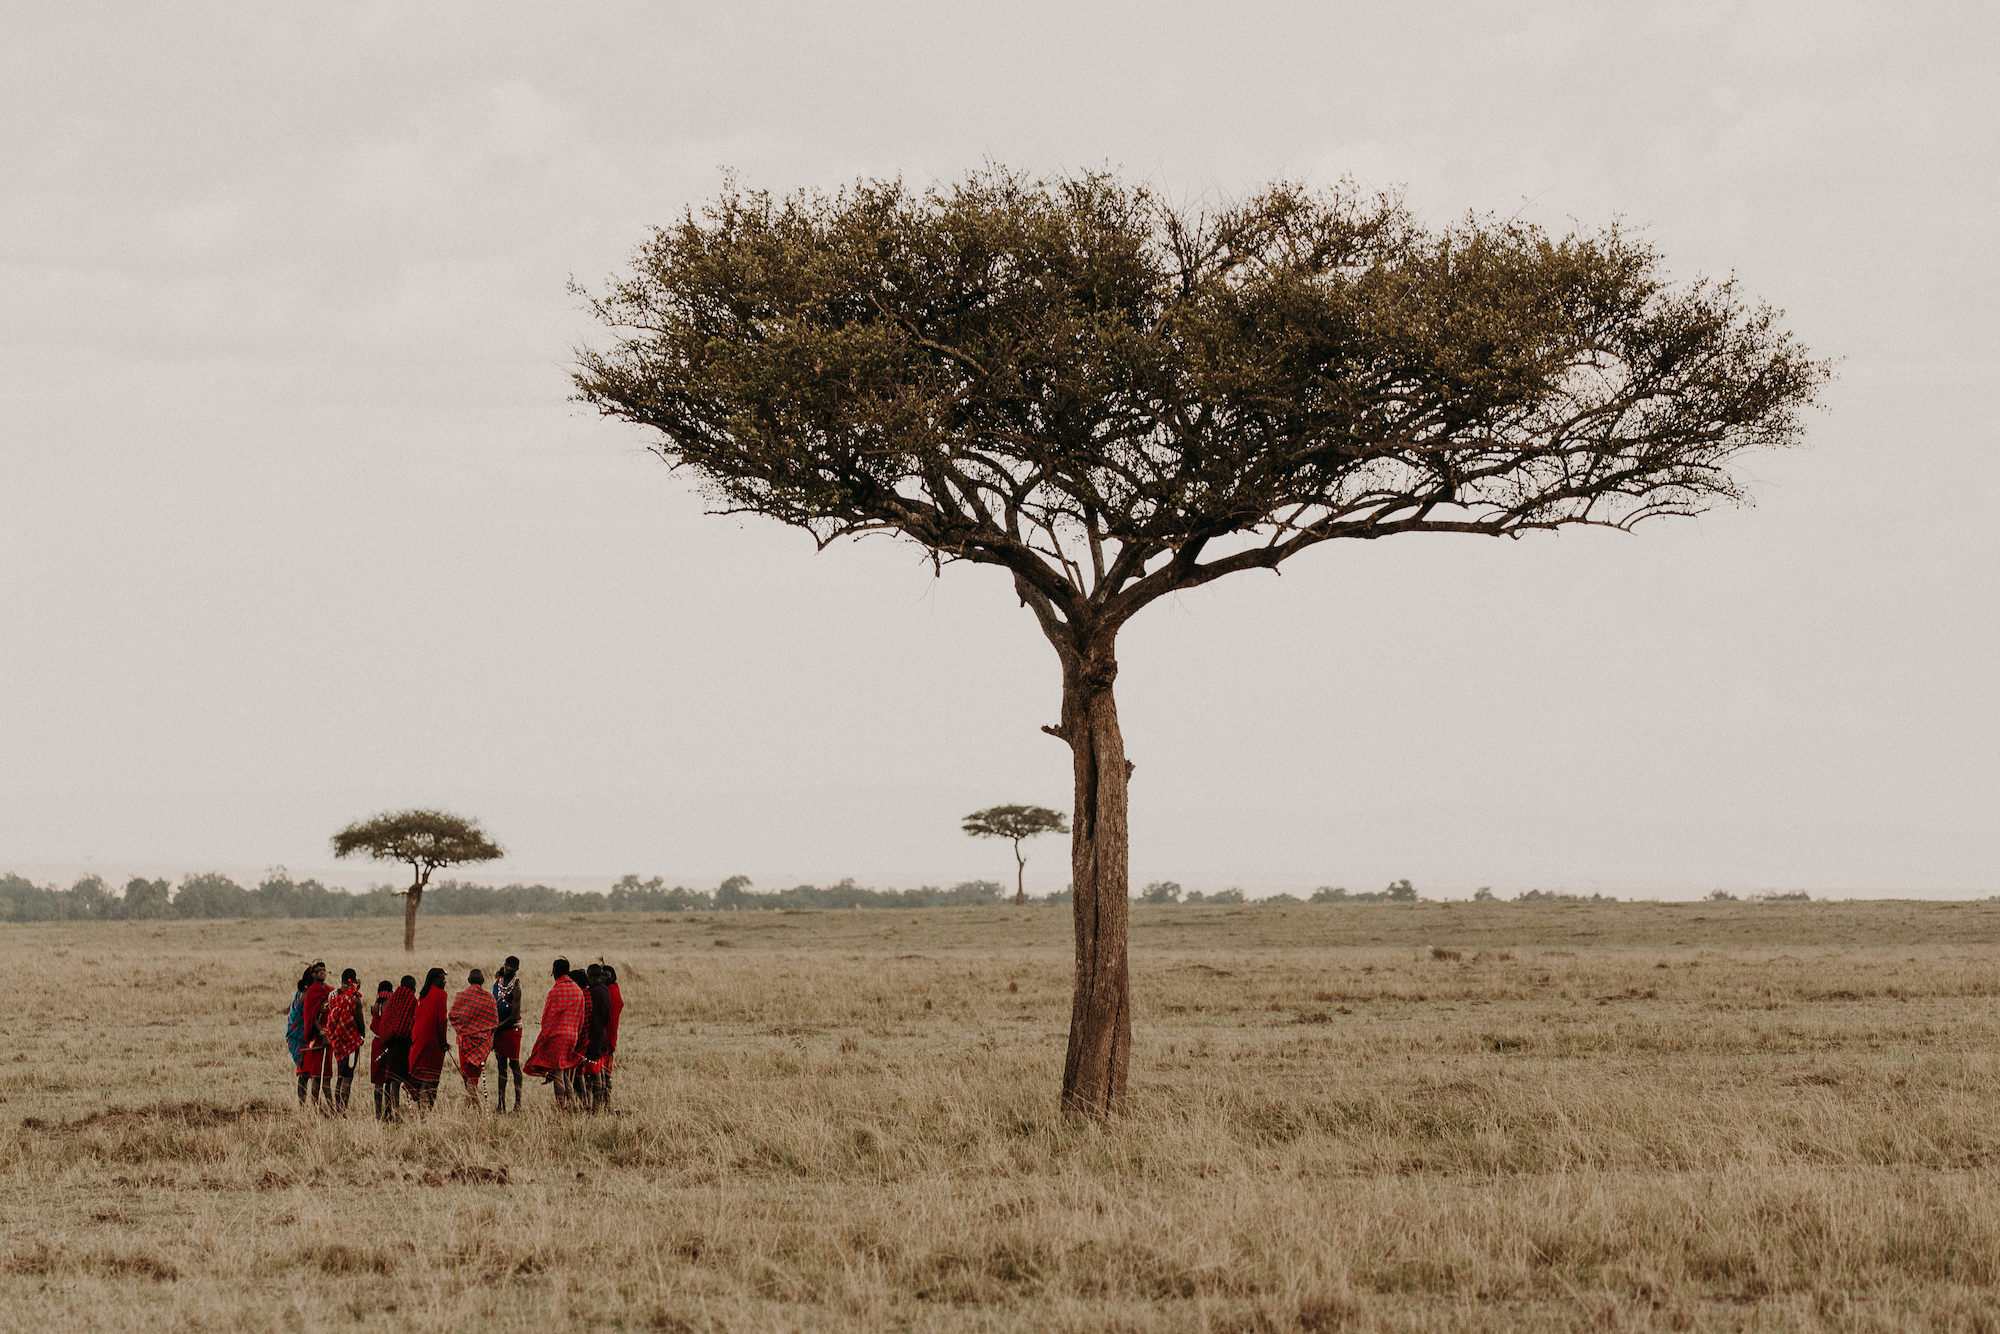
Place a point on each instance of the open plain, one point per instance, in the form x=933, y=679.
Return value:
x=1432, y=1116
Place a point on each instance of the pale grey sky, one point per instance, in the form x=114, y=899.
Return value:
x=299, y=525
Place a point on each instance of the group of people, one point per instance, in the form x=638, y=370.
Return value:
x=414, y=1028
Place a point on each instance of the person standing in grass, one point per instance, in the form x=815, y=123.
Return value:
x=507, y=1035
x=378, y=1069
x=430, y=1038
x=295, y=1021
x=399, y=1016
x=343, y=1035
x=580, y=1081
x=554, y=1057
x=312, y=1067
x=597, y=1037
x=473, y=1019
x=617, y=1008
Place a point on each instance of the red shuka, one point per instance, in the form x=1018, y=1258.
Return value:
x=397, y=1013
x=617, y=1008
x=583, y=1030
x=343, y=1021
x=376, y=1075
x=312, y=1057
x=474, y=1017
x=428, y=1037
x=562, y=1020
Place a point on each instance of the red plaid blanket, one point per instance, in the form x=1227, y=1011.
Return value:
x=343, y=1021
x=562, y=1022
x=398, y=1014
x=474, y=1016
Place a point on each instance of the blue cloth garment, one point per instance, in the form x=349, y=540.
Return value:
x=295, y=1028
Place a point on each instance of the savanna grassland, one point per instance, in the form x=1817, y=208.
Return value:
x=1563, y=1116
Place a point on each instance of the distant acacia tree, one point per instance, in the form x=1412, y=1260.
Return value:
x=1161, y=891
x=733, y=894
x=423, y=840
x=1016, y=823
x=1113, y=400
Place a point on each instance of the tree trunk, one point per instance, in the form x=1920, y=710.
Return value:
x=1020, y=875
x=411, y=899
x=1100, y=1018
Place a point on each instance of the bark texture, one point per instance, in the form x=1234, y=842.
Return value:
x=411, y=899
x=1100, y=1022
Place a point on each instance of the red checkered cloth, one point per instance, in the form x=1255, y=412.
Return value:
x=397, y=1015
x=343, y=1021
x=562, y=1022
x=474, y=1016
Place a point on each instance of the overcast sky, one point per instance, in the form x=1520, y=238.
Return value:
x=298, y=523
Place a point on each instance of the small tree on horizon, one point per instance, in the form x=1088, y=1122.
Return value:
x=423, y=840
x=1016, y=823
x=1114, y=400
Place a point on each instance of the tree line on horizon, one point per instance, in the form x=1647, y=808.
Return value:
x=211, y=896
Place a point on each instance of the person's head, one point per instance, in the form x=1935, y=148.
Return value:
x=434, y=978
x=511, y=967
x=475, y=978
x=349, y=975
x=383, y=988
x=305, y=979
x=407, y=984
x=318, y=971
x=578, y=976
x=595, y=972
x=610, y=976
x=559, y=969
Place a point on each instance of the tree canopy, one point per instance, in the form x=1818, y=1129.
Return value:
x=1113, y=399
x=1015, y=823
x=421, y=839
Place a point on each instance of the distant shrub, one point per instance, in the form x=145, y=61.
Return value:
x=1789, y=896
x=1399, y=891
x=1722, y=896
x=1160, y=891
x=1281, y=897
x=1226, y=896
x=1484, y=894
x=1556, y=896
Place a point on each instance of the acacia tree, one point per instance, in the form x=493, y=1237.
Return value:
x=423, y=840
x=1016, y=823
x=1113, y=399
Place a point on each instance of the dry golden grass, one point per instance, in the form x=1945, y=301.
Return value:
x=1689, y=1116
